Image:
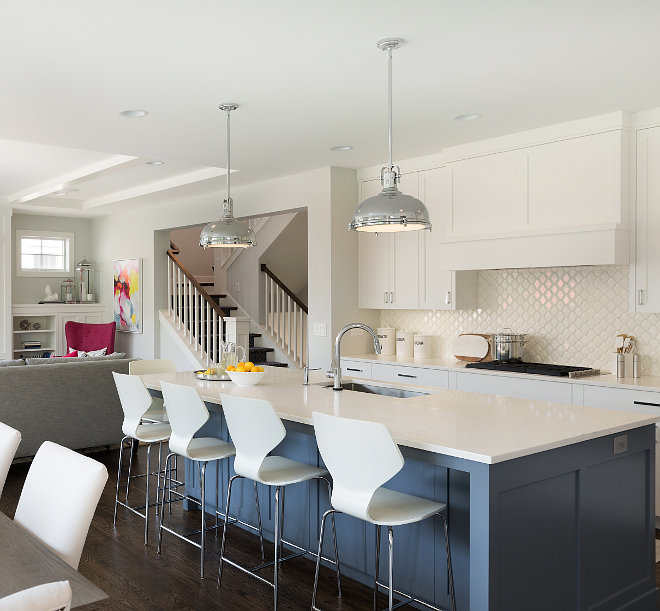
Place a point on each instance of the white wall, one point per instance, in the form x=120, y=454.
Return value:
x=6, y=338
x=246, y=270
x=197, y=260
x=286, y=257
x=31, y=290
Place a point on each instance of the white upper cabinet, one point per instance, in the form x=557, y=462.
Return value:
x=389, y=262
x=646, y=287
x=573, y=183
x=439, y=288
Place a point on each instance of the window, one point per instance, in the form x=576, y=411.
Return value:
x=43, y=253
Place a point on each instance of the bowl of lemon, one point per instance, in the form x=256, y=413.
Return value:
x=245, y=374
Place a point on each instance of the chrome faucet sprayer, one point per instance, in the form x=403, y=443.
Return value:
x=336, y=371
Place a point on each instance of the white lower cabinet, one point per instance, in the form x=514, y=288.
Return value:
x=355, y=369
x=436, y=378
x=517, y=388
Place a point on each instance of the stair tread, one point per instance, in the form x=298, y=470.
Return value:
x=271, y=364
x=255, y=334
x=262, y=349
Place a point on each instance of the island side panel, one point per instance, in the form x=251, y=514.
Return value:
x=572, y=528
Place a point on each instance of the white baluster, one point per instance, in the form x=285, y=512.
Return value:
x=272, y=307
x=208, y=333
x=178, y=288
x=288, y=318
x=169, y=286
x=215, y=337
x=295, y=331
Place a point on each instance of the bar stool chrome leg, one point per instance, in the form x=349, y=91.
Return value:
x=224, y=530
x=390, y=572
x=121, y=454
x=261, y=535
x=377, y=566
x=330, y=512
x=449, y=569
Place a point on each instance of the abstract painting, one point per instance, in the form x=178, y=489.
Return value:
x=128, y=295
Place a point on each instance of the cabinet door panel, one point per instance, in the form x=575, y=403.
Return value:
x=436, y=378
x=355, y=369
x=575, y=181
x=62, y=319
x=489, y=193
x=517, y=388
x=647, y=259
x=404, y=279
x=374, y=270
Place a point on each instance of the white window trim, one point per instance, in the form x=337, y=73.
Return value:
x=27, y=233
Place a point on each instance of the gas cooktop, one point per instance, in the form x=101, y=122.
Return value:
x=543, y=369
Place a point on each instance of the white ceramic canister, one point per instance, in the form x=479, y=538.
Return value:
x=422, y=347
x=404, y=343
x=387, y=337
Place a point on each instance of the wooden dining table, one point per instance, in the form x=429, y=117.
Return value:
x=25, y=562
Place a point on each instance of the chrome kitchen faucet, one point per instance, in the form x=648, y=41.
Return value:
x=336, y=371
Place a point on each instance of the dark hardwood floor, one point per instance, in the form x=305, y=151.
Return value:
x=136, y=577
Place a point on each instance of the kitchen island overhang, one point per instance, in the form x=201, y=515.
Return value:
x=543, y=514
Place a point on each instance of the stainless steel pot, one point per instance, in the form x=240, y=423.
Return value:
x=507, y=346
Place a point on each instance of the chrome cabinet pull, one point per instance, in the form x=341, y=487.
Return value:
x=448, y=297
x=391, y=297
x=349, y=369
x=640, y=300
x=405, y=375
x=385, y=297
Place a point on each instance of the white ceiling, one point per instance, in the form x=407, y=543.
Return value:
x=307, y=75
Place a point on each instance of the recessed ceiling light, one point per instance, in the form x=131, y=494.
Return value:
x=133, y=114
x=468, y=117
x=341, y=148
x=155, y=162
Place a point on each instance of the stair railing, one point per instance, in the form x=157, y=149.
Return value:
x=286, y=318
x=193, y=310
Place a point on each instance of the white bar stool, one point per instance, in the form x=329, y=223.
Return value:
x=361, y=457
x=187, y=414
x=135, y=402
x=156, y=411
x=256, y=430
x=10, y=439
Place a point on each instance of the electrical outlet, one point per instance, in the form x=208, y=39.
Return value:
x=320, y=329
x=621, y=444
x=357, y=332
x=238, y=287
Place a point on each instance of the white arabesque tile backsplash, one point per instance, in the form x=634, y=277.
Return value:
x=571, y=314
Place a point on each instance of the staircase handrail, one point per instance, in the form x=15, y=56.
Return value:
x=270, y=274
x=197, y=285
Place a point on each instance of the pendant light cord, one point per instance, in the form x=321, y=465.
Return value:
x=229, y=161
x=389, y=102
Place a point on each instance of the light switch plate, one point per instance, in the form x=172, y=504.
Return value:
x=320, y=329
x=621, y=444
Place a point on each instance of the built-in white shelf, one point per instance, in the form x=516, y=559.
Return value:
x=45, y=349
x=36, y=331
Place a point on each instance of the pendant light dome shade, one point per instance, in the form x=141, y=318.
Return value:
x=390, y=210
x=227, y=232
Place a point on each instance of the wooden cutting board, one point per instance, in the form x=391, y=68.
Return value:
x=472, y=347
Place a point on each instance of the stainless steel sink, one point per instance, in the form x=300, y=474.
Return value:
x=375, y=389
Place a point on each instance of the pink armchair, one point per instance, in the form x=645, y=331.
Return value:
x=87, y=337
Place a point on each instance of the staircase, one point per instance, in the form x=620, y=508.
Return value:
x=199, y=317
x=286, y=318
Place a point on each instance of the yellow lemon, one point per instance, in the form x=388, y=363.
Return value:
x=240, y=364
x=231, y=368
x=207, y=372
x=241, y=369
x=258, y=369
x=249, y=365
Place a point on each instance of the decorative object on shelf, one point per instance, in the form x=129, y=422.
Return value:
x=85, y=280
x=24, y=325
x=68, y=291
x=128, y=295
x=36, y=326
x=390, y=210
x=228, y=232
x=50, y=296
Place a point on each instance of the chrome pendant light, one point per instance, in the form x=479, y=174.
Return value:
x=390, y=210
x=227, y=232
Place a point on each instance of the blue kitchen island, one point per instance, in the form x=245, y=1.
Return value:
x=550, y=506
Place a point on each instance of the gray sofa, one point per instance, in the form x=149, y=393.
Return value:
x=73, y=403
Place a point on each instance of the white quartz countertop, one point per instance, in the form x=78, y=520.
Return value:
x=482, y=428
x=651, y=383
